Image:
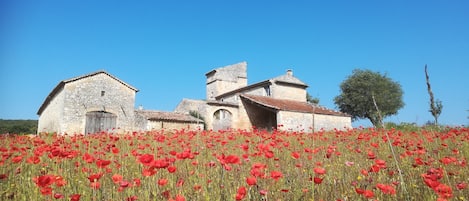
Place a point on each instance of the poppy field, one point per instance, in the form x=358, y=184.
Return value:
x=356, y=164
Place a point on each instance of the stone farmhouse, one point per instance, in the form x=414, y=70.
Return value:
x=277, y=103
x=101, y=102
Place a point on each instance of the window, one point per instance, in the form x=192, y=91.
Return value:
x=102, y=93
x=222, y=114
x=267, y=90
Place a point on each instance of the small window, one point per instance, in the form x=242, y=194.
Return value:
x=102, y=93
x=267, y=90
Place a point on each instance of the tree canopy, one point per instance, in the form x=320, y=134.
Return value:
x=359, y=90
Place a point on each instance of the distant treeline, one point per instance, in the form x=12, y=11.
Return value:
x=18, y=126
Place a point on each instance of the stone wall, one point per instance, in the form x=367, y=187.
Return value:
x=66, y=112
x=226, y=79
x=52, y=116
x=294, y=121
x=291, y=92
x=329, y=122
x=97, y=93
x=170, y=125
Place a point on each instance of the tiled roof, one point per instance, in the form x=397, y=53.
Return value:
x=168, y=116
x=63, y=82
x=290, y=105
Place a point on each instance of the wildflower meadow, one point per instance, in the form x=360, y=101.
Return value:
x=356, y=164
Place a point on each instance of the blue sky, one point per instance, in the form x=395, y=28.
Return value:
x=164, y=48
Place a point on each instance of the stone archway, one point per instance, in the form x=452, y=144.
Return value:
x=98, y=121
x=221, y=120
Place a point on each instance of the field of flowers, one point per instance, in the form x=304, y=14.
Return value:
x=358, y=164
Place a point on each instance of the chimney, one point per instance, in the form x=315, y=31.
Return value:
x=289, y=72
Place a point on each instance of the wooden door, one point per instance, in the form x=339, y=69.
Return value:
x=99, y=121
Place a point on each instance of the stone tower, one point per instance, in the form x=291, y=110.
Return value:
x=226, y=79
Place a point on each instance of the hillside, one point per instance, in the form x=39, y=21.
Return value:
x=18, y=126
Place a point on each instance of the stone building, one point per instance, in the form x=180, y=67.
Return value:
x=279, y=102
x=156, y=120
x=101, y=102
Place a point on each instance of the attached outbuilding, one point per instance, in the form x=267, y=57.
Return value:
x=157, y=120
x=88, y=104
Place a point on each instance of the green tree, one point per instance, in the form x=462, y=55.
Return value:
x=312, y=100
x=362, y=89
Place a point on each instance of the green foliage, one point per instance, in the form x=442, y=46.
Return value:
x=311, y=100
x=18, y=126
x=198, y=116
x=413, y=127
x=357, y=93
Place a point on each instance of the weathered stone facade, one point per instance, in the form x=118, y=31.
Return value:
x=156, y=120
x=279, y=102
x=66, y=108
x=100, y=102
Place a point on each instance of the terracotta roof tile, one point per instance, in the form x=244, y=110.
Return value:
x=290, y=105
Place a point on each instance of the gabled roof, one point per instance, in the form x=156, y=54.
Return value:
x=289, y=79
x=289, y=105
x=62, y=83
x=167, y=116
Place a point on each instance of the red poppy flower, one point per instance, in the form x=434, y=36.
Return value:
x=295, y=155
x=116, y=178
x=60, y=181
x=461, y=186
x=95, y=185
x=33, y=160
x=58, y=196
x=46, y=191
x=386, y=189
x=17, y=159
x=171, y=169
x=95, y=177
x=124, y=184
x=179, y=198
x=102, y=163
x=161, y=163
x=146, y=159
x=368, y=194
x=276, y=175
x=251, y=181
x=444, y=191
x=44, y=180
x=115, y=150
x=319, y=170
x=88, y=158
x=162, y=182
x=148, y=172
x=75, y=197
x=317, y=180
x=241, y=193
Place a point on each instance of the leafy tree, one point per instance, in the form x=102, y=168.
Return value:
x=197, y=115
x=312, y=100
x=18, y=126
x=362, y=88
x=435, y=106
